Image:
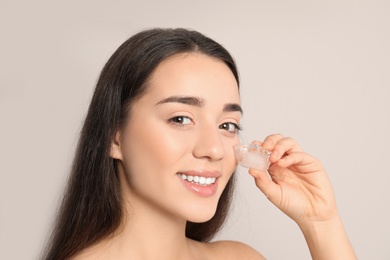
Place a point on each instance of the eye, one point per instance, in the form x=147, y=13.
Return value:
x=181, y=120
x=230, y=127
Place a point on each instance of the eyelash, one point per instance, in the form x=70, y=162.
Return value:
x=173, y=120
x=237, y=127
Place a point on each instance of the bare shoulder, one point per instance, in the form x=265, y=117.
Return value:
x=233, y=250
x=95, y=252
x=88, y=255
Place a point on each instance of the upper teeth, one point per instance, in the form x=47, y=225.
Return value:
x=198, y=179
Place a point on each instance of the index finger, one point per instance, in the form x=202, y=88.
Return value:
x=280, y=146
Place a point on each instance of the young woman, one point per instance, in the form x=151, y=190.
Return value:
x=154, y=169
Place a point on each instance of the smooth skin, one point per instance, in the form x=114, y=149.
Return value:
x=186, y=121
x=163, y=138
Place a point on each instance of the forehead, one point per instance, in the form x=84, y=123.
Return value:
x=194, y=74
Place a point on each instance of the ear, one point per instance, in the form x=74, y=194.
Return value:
x=116, y=151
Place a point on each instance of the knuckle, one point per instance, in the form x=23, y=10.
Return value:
x=273, y=139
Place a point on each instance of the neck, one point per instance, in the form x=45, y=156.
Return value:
x=148, y=232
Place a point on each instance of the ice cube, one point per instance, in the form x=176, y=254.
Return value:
x=252, y=156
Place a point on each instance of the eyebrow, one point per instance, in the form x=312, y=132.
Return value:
x=199, y=102
x=232, y=107
x=192, y=101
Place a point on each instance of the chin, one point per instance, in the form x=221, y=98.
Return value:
x=202, y=215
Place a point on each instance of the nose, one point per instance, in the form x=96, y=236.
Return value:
x=209, y=144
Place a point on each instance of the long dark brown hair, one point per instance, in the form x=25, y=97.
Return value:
x=92, y=204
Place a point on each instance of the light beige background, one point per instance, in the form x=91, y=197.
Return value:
x=314, y=70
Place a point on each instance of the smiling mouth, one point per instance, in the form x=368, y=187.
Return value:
x=199, y=180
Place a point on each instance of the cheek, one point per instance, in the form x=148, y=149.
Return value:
x=164, y=148
x=151, y=150
x=230, y=163
x=229, y=148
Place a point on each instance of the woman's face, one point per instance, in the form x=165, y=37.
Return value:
x=176, y=151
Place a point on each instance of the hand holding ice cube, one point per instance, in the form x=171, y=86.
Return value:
x=295, y=181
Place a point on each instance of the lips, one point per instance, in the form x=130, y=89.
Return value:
x=202, y=183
